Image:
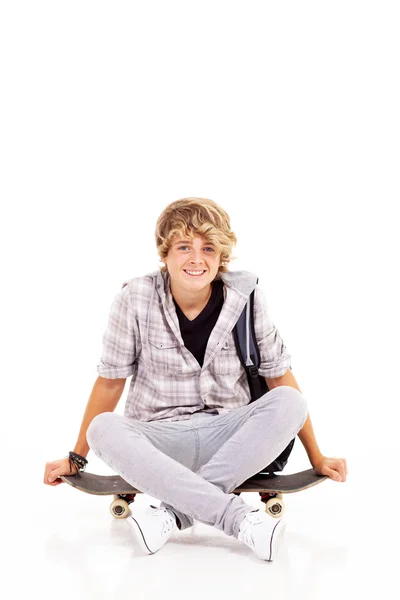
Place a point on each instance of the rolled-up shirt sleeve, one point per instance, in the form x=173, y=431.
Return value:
x=121, y=343
x=275, y=358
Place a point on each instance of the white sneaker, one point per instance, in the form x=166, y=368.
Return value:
x=263, y=534
x=153, y=528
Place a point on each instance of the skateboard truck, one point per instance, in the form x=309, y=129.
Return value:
x=119, y=507
x=274, y=504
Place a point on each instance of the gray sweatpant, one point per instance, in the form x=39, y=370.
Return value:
x=193, y=465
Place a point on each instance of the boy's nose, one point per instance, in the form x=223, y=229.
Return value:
x=196, y=258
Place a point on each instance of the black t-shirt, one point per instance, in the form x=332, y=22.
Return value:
x=195, y=333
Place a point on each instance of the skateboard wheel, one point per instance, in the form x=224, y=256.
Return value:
x=275, y=506
x=119, y=508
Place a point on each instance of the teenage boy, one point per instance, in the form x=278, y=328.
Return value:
x=189, y=434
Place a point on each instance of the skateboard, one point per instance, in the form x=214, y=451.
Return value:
x=271, y=488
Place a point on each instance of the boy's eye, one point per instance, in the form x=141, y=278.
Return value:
x=207, y=248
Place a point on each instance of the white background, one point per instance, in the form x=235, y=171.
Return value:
x=284, y=113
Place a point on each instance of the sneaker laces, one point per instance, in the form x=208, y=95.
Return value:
x=246, y=530
x=168, y=521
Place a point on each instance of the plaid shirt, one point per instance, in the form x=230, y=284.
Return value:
x=143, y=339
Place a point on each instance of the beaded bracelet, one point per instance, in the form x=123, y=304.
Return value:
x=77, y=460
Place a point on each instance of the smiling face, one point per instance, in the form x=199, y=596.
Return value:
x=192, y=263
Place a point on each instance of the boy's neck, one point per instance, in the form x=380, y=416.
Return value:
x=191, y=303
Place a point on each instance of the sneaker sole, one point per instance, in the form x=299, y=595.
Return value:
x=138, y=534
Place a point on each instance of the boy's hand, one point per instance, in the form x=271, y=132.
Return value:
x=54, y=469
x=335, y=468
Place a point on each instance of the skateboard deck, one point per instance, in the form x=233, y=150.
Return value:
x=270, y=486
x=104, y=485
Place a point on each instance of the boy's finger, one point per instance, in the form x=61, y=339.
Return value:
x=335, y=475
x=52, y=476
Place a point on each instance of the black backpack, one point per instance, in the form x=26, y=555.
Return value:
x=247, y=346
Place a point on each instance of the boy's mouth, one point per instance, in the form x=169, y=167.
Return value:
x=194, y=272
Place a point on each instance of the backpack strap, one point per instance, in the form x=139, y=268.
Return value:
x=249, y=355
x=248, y=351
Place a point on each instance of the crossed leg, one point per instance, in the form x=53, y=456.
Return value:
x=224, y=453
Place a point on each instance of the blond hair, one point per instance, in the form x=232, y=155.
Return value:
x=195, y=216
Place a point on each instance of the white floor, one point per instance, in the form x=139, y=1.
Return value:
x=62, y=543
